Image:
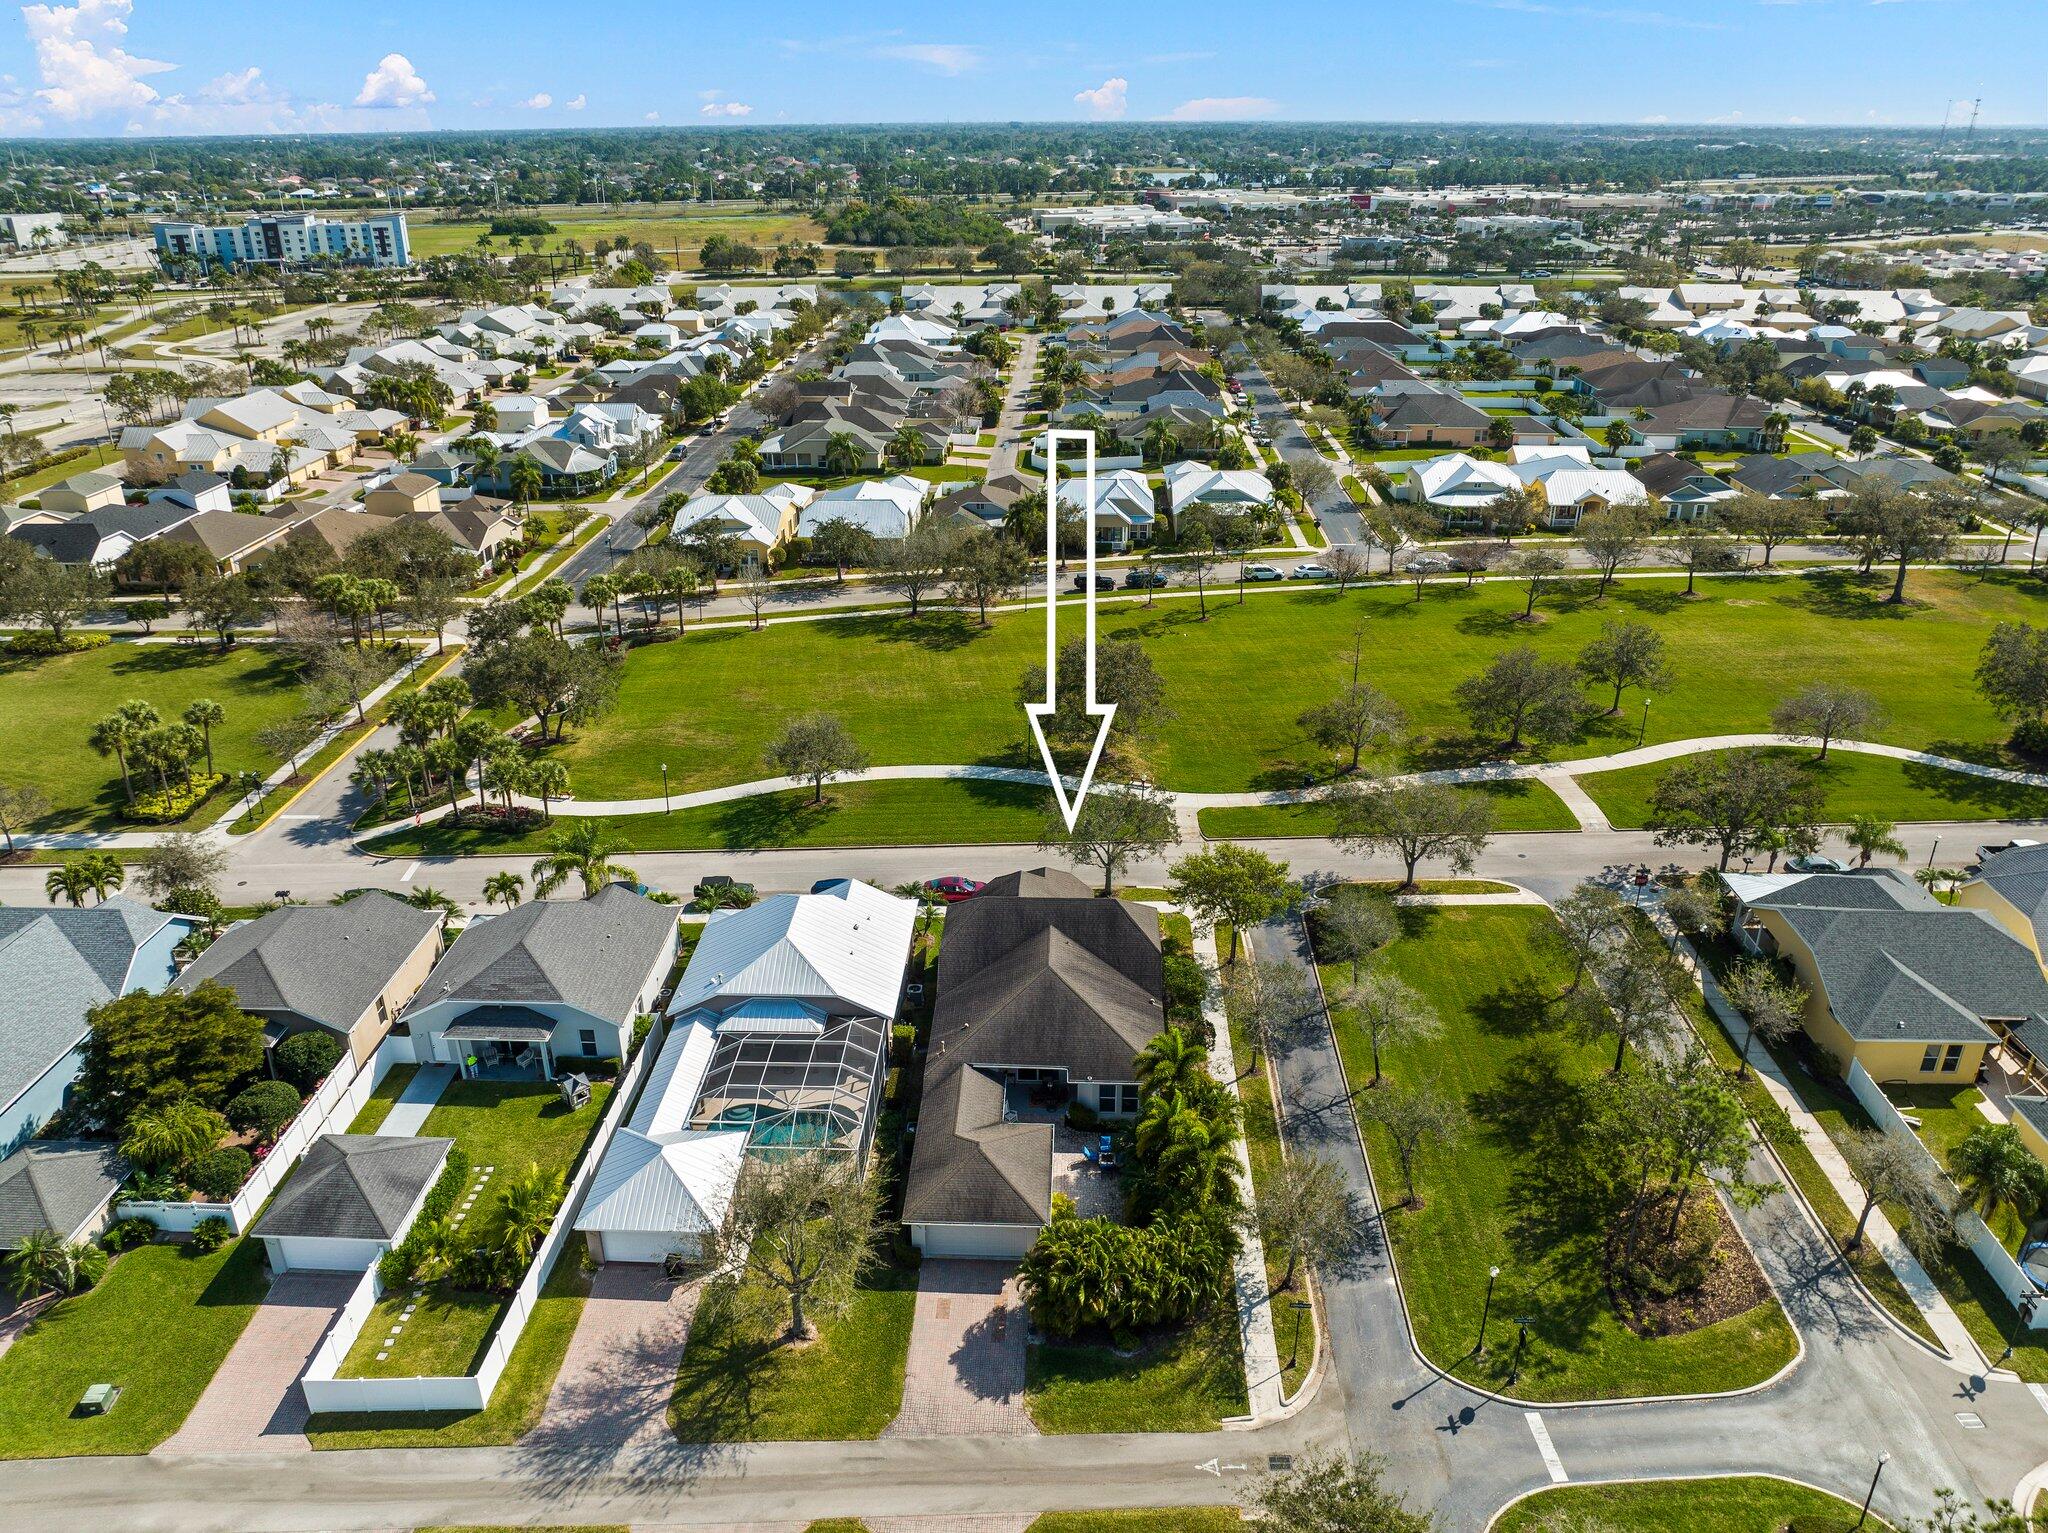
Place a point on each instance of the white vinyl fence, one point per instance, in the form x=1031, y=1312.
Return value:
x=2000, y=1263
x=329, y=1110
x=326, y=1391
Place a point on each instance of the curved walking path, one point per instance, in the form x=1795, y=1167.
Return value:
x=1559, y=776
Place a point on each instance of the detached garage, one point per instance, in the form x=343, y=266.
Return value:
x=351, y=1199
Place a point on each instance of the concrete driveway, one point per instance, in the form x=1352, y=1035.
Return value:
x=254, y=1403
x=966, y=1371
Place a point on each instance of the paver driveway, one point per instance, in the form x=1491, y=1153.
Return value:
x=966, y=1371
x=254, y=1403
x=620, y=1370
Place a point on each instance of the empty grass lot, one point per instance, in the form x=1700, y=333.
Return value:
x=1738, y=1504
x=56, y=702
x=738, y=1383
x=933, y=812
x=1504, y=1193
x=1517, y=806
x=158, y=1325
x=943, y=689
x=669, y=231
x=1178, y=1381
x=508, y=1125
x=1854, y=784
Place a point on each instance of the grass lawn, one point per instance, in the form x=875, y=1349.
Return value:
x=1183, y=1381
x=1503, y=1194
x=65, y=695
x=666, y=231
x=516, y=1403
x=1856, y=784
x=933, y=812
x=1169, y=1519
x=1946, y=1114
x=1737, y=1504
x=32, y=484
x=158, y=1325
x=383, y=1097
x=943, y=688
x=1518, y=805
x=1262, y=1141
x=737, y=1384
x=509, y=1125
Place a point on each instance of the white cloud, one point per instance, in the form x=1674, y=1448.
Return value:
x=1107, y=99
x=652, y=117
x=946, y=58
x=85, y=70
x=1655, y=119
x=576, y=103
x=237, y=88
x=539, y=101
x=1222, y=109
x=393, y=83
x=716, y=106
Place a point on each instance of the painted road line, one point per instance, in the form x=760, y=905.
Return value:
x=1545, y=1447
x=2040, y=1393
x=298, y=817
x=406, y=876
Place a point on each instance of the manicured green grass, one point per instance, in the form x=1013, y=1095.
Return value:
x=62, y=697
x=508, y=1125
x=29, y=485
x=663, y=229
x=1262, y=1143
x=1946, y=1115
x=737, y=1383
x=1504, y=1194
x=937, y=812
x=943, y=688
x=1167, y=1519
x=1518, y=805
x=1738, y=1504
x=383, y=1097
x=1183, y=1381
x=1855, y=784
x=158, y=1325
x=516, y=1403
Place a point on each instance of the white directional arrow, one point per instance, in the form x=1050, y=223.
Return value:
x=1070, y=809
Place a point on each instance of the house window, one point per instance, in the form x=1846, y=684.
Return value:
x=1121, y=1099
x=1952, y=1059
x=586, y=1038
x=1931, y=1059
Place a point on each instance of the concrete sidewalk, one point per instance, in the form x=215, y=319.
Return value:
x=408, y=1114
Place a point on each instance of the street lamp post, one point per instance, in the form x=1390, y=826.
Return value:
x=1864, y=1516
x=1932, y=850
x=664, y=787
x=1294, y=1352
x=1643, y=733
x=1492, y=1276
x=2022, y=1319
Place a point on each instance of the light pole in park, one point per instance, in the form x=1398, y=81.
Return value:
x=1492, y=1276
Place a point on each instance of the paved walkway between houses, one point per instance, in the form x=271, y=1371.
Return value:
x=1879, y=1232
x=1560, y=781
x=614, y=1386
x=253, y=1403
x=19, y=1317
x=965, y=1374
x=408, y=1114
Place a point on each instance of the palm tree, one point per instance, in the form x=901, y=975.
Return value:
x=103, y=873
x=173, y=1134
x=582, y=851
x=906, y=447
x=68, y=881
x=1171, y=1062
x=524, y=478
x=1160, y=440
x=506, y=889
x=526, y=1207
x=842, y=453
x=202, y=715
x=427, y=897
x=1870, y=834
x=547, y=780
x=483, y=458
x=1995, y=1169
x=404, y=444
x=116, y=734
x=43, y=1260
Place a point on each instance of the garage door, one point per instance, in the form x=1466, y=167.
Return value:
x=995, y=1241
x=304, y=1253
x=622, y=1247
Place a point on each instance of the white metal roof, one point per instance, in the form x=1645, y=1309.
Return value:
x=846, y=945
x=680, y=1183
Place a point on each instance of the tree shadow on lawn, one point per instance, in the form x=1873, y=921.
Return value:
x=145, y=662
x=1519, y=1010
x=2011, y=800
x=1651, y=601
x=1845, y=594
x=943, y=629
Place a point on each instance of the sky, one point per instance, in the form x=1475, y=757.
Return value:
x=168, y=67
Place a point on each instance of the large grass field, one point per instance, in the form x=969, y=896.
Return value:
x=54, y=703
x=676, y=234
x=932, y=812
x=1518, y=805
x=1737, y=1504
x=508, y=1126
x=942, y=689
x=737, y=1383
x=1504, y=1194
x=158, y=1325
x=1854, y=784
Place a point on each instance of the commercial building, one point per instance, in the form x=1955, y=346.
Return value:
x=289, y=239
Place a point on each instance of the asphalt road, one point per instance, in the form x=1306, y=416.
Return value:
x=1340, y=519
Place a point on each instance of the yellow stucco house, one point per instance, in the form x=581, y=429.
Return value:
x=1913, y=990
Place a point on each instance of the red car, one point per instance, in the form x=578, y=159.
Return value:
x=953, y=889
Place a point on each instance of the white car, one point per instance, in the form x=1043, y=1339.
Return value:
x=1309, y=572
x=1428, y=563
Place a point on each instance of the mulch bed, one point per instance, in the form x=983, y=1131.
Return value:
x=1732, y=1283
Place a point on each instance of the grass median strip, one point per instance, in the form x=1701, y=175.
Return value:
x=1518, y=805
x=1737, y=1504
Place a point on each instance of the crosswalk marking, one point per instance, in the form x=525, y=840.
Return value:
x=406, y=876
x=2040, y=1393
x=1545, y=1447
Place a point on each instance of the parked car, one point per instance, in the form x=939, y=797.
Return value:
x=677, y=453
x=1139, y=580
x=1262, y=572
x=1309, y=572
x=1816, y=864
x=1428, y=564
x=1102, y=582
x=953, y=888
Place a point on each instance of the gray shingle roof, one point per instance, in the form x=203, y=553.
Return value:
x=591, y=954
x=2033, y=1109
x=325, y=963
x=1037, y=884
x=2020, y=875
x=56, y=1185
x=355, y=1186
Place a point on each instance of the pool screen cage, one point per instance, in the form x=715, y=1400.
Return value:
x=795, y=1090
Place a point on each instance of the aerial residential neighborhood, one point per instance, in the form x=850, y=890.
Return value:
x=1114, y=772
